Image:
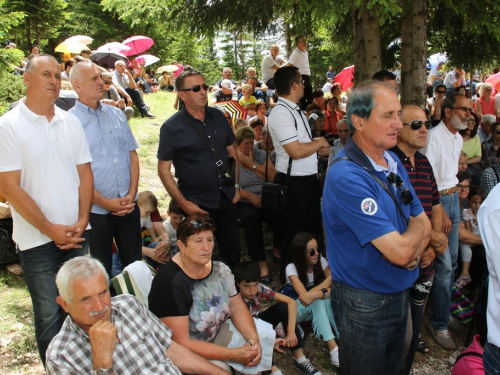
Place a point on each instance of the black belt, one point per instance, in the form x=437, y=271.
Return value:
x=315, y=175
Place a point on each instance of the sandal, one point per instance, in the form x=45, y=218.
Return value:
x=422, y=346
x=462, y=281
x=14, y=268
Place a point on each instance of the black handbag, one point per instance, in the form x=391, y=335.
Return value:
x=8, y=253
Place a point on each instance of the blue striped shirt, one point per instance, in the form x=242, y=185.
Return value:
x=110, y=141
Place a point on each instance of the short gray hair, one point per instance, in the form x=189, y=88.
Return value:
x=33, y=62
x=76, y=70
x=488, y=118
x=78, y=268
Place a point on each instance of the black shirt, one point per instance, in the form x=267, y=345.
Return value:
x=199, y=178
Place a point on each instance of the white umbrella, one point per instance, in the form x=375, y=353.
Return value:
x=114, y=47
x=80, y=38
x=148, y=59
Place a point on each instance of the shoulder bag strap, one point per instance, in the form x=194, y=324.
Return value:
x=382, y=184
x=218, y=162
x=479, y=355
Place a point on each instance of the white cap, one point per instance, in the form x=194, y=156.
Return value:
x=226, y=84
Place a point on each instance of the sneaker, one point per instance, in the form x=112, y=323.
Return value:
x=335, y=357
x=442, y=337
x=306, y=367
x=454, y=325
x=280, y=331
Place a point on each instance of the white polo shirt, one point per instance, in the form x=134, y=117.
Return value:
x=267, y=66
x=443, y=151
x=282, y=130
x=300, y=60
x=489, y=221
x=47, y=154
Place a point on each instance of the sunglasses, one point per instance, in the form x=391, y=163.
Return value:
x=313, y=251
x=441, y=92
x=300, y=81
x=465, y=109
x=416, y=125
x=397, y=182
x=197, y=88
x=107, y=82
x=200, y=223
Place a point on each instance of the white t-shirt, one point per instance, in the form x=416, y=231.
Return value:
x=282, y=130
x=47, y=154
x=146, y=222
x=291, y=270
x=300, y=60
x=443, y=151
x=267, y=66
x=171, y=231
x=469, y=216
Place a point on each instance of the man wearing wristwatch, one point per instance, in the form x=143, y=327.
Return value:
x=119, y=335
x=411, y=138
x=197, y=141
x=376, y=233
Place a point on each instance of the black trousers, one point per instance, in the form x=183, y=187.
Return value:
x=252, y=219
x=126, y=230
x=303, y=212
x=308, y=92
x=137, y=99
x=227, y=235
x=277, y=314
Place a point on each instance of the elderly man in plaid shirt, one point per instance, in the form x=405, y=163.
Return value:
x=104, y=335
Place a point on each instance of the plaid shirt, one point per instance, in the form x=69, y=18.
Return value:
x=254, y=305
x=142, y=348
x=489, y=178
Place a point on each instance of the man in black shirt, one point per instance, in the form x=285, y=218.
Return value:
x=202, y=187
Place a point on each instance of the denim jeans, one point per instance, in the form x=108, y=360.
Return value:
x=40, y=267
x=491, y=359
x=372, y=329
x=446, y=265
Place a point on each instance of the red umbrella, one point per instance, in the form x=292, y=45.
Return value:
x=345, y=77
x=494, y=79
x=138, y=44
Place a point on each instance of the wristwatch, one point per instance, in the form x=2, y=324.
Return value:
x=237, y=186
x=325, y=293
x=254, y=167
x=104, y=371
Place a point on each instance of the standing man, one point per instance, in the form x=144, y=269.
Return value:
x=115, y=166
x=291, y=135
x=202, y=185
x=374, y=248
x=300, y=59
x=271, y=63
x=45, y=175
x=488, y=219
x=443, y=151
x=330, y=74
x=411, y=138
x=125, y=84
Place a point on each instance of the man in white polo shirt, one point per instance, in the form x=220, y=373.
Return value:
x=271, y=63
x=300, y=59
x=443, y=151
x=488, y=219
x=45, y=175
x=292, y=138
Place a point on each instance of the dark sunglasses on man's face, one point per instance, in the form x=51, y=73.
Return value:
x=441, y=92
x=197, y=88
x=416, y=125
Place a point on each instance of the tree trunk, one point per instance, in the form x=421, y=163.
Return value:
x=288, y=38
x=367, y=56
x=414, y=53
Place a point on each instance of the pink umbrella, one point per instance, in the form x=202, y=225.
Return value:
x=494, y=79
x=114, y=47
x=345, y=77
x=138, y=44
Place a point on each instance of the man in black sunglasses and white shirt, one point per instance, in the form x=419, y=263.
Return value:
x=201, y=185
x=443, y=151
x=411, y=138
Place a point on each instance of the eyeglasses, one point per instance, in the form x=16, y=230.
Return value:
x=107, y=82
x=301, y=81
x=397, y=182
x=200, y=223
x=416, y=125
x=471, y=121
x=465, y=109
x=463, y=187
x=313, y=251
x=197, y=88
x=441, y=92
x=497, y=131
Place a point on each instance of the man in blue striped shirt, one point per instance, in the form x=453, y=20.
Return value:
x=115, y=166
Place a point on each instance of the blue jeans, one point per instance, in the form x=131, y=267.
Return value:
x=446, y=265
x=491, y=359
x=372, y=329
x=40, y=267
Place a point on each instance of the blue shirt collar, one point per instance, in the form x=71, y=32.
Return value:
x=85, y=108
x=352, y=150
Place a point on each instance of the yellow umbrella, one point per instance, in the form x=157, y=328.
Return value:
x=167, y=68
x=70, y=47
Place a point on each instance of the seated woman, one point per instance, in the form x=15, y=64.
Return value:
x=166, y=81
x=252, y=173
x=472, y=146
x=257, y=125
x=336, y=91
x=112, y=97
x=195, y=296
x=485, y=105
x=332, y=116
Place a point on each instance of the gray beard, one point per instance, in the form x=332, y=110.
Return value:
x=457, y=123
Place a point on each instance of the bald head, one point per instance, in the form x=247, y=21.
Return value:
x=78, y=70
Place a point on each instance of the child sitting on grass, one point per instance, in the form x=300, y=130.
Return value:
x=247, y=276
x=175, y=216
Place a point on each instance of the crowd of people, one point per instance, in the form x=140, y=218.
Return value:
x=381, y=199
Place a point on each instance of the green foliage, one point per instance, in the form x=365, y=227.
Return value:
x=9, y=57
x=11, y=89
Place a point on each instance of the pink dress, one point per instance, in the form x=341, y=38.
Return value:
x=488, y=107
